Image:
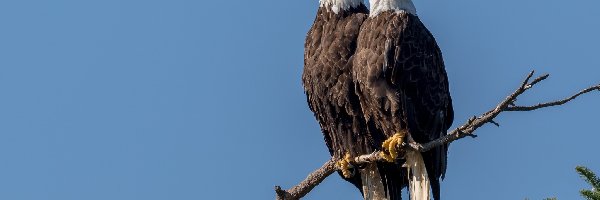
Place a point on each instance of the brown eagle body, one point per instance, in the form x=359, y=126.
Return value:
x=368, y=78
x=328, y=84
x=402, y=85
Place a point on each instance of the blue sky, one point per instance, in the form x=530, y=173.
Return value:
x=185, y=99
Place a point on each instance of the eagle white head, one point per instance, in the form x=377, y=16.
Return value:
x=379, y=6
x=337, y=5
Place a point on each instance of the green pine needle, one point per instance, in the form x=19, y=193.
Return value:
x=593, y=180
x=589, y=177
x=590, y=195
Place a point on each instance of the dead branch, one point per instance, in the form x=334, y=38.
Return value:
x=554, y=103
x=307, y=184
x=466, y=130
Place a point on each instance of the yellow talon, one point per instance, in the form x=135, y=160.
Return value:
x=344, y=165
x=391, y=146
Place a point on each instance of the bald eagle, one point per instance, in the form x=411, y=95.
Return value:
x=369, y=76
x=327, y=77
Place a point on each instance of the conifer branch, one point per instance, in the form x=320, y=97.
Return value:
x=466, y=130
x=589, y=177
x=593, y=180
x=590, y=195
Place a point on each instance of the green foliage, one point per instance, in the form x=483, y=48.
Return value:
x=593, y=180
x=590, y=195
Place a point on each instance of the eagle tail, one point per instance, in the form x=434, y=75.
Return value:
x=372, y=185
x=419, y=184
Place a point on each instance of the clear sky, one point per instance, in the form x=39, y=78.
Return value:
x=183, y=99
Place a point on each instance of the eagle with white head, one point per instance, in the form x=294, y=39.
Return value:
x=373, y=80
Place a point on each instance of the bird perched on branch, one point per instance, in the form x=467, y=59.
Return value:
x=327, y=77
x=403, y=88
x=375, y=82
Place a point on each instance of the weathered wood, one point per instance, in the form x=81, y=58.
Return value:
x=466, y=130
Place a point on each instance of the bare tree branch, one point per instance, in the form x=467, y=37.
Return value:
x=313, y=179
x=554, y=103
x=466, y=130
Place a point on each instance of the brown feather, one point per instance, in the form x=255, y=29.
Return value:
x=328, y=83
x=402, y=85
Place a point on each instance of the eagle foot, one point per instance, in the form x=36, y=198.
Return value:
x=391, y=147
x=344, y=165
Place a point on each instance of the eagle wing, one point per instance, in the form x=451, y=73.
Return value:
x=402, y=84
x=327, y=78
x=415, y=67
x=328, y=82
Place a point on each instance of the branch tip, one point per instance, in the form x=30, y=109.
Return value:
x=281, y=194
x=278, y=188
x=527, y=79
x=538, y=79
x=495, y=123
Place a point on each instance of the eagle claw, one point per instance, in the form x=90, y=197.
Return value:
x=391, y=147
x=344, y=165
